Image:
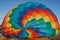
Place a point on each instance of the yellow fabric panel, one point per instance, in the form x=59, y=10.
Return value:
x=53, y=25
x=29, y=33
x=38, y=17
x=46, y=19
x=30, y=18
x=8, y=25
x=57, y=31
x=7, y=19
x=9, y=13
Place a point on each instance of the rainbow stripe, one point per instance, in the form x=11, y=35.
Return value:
x=30, y=20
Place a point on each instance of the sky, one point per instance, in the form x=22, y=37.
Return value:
x=6, y=5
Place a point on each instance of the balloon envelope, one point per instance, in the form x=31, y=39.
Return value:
x=30, y=20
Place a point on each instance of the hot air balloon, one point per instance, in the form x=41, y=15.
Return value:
x=30, y=20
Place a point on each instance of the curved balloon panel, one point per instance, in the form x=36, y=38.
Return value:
x=30, y=20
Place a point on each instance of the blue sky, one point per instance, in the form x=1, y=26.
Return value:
x=6, y=5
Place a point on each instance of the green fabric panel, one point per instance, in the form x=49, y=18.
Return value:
x=11, y=21
x=48, y=25
x=41, y=20
x=54, y=32
x=11, y=15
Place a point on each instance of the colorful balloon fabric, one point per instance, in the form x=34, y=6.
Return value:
x=30, y=20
